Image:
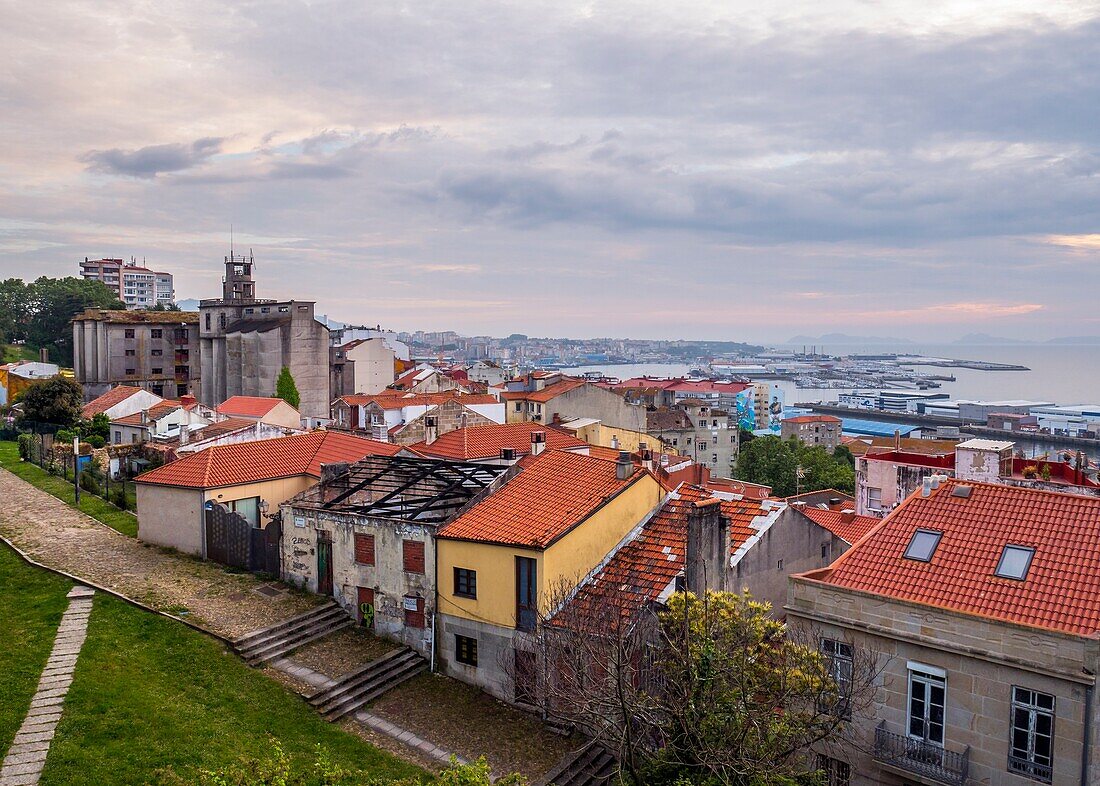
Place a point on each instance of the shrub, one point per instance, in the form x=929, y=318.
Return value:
x=118, y=497
x=64, y=436
x=89, y=483
x=96, y=441
x=27, y=448
x=1045, y=472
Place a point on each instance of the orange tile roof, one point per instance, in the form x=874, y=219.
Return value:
x=549, y=392
x=115, y=395
x=1062, y=585
x=845, y=524
x=396, y=399
x=542, y=503
x=741, y=514
x=812, y=419
x=250, y=462
x=481, y=442
x=154, y=413
x=248, y=406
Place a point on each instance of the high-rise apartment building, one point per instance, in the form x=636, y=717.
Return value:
x=136, y=286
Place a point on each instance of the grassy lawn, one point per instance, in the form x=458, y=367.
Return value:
x=9, y=353
x=96, y=507
x=31, y=605
x=150, y=694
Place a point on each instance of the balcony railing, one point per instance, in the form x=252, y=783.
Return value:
x=921, y=758
x=1030, y=769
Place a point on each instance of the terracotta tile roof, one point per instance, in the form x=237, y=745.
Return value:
x=845, y=524
x=248, y=406
x=250, y=462
x=668, y=420
x=154, y=413
x=395, y=399
x=643, y=567
x=1062, y=585
x=481, y=442
x=115, y=395
x=824, y=498
x=862, y=445
x=542, y=503
x=548, y=393
x=741, y=514
x=812, y=419
x=221, y=428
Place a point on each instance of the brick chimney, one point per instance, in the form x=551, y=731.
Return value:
x=708, y=548
x=431, y=429
x=538, y=442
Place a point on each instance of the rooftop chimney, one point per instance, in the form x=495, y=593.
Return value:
x=185, y=434
x=647, y=457
x=624, y=467
x=614, y=442
x=431, y=429
x=706, y=562
x=44, y=355
x=538, y=442
x=847, y=515
x=897, y=439
x=926, y=488
x=188, y=401
x=507, y=455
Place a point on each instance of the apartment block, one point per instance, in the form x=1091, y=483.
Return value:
x=136, y=285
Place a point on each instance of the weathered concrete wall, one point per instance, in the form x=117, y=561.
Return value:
x=495, y=647
x=590, y=401
x=983, y=660
x=448, y=418
x=171, y=517
x=387, y=577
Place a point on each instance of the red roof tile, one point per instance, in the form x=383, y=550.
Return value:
x=845, y=524
x=481, y=442
x=549, y=392
x=248, y=406
x=542, y=503
x=1062, y=585
x=250, y=462
x=154, y=413
x=812, y=419
x=115, y=395
x=395, y=399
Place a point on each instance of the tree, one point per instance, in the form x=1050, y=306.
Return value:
x=53, y=302
x=56, y=400
x=286, y=389
x=165, y=307
x=709, y=690
x=13, y=310
x=769, y=461
x=775, y=462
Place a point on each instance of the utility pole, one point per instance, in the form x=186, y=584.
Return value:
x=76, y=467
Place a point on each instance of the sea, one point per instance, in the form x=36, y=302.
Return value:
x=1064, y=375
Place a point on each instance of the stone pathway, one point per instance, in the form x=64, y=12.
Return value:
x=371, y=721
x=27, y=755
x=61, y=537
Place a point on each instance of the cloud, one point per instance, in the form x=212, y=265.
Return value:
x=153, y=160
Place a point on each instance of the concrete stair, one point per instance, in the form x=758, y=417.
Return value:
x=267, y=644
x=591, y=765
x=364, y=685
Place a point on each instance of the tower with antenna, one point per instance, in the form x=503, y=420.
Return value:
x=237, y=285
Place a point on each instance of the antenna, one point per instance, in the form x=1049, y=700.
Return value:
x=230, y=241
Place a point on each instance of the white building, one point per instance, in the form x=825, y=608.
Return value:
x=136, y=286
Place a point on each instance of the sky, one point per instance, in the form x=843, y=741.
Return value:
x=721, y=170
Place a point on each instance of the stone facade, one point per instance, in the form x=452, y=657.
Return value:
x=448, y=416
x=981, y=661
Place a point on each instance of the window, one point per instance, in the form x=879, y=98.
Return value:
x=838, y=658
x=824, y=551
x=927, y=699
x=466, y=650
x=118, y=437
x=284, y=309
x=412, y=554
x=466, y=583
x=158, y=333
x=702, y=444
x=208, y=321
x=1014, y=562
x=364, y=549
x=1031, y=748
x=131, y=372
x=158, y=371
x=248, y=508
x=923, y=545
x=221, y=320
x=837, y=772
x=129, y=333
x=156, y=352
x=779, y=565
x=130, y=353
x=874, y=498
x=526, y=593
x=519, y=406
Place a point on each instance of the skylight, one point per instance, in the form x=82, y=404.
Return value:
x=1014, y=562
x=923, y=545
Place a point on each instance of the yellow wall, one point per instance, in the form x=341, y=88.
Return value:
x=570, y=558
x=275, y=492
x=601, y=434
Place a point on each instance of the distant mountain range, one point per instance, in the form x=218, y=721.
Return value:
x=844, y=338
x=984, y=339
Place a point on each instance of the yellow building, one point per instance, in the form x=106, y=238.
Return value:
x=502, y=563
x=16, y=377
x=595, y=432
x=250, y=478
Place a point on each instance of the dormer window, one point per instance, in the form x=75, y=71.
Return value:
x=1015, y=562
x=923, y=545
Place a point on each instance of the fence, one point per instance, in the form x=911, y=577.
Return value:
x=39, y=449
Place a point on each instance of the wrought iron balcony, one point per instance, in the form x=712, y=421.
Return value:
x=920, y=758
x=1030, y=769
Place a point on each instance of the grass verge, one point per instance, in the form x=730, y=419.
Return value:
x=150, y=694
x=99, y=509
x=31, y=604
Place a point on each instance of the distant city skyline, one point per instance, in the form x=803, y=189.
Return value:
x=705, y=170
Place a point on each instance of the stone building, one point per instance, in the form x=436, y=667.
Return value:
x=694, y=428
x=978, y=603
x=813, y=430
x=157, y=351
x=541, y=398
x=366, y=536
x=245, y=342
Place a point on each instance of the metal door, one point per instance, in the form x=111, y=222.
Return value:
x=366, y=606
x=324, y=563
